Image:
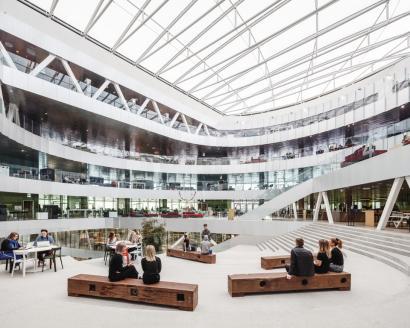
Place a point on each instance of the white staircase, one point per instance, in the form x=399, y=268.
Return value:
x=390, y=248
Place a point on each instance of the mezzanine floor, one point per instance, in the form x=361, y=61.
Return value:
x=378, y=298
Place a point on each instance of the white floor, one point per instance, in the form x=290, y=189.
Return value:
x=380, y=297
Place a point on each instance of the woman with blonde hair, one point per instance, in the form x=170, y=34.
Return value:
x=322, y=262
x=151, y=265
x=117, y=271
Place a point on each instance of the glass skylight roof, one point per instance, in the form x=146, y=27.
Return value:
x=246, y=56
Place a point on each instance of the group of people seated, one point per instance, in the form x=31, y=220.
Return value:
x=122, y=267
x=12, y=243
x=205, y=244
x=329, y=258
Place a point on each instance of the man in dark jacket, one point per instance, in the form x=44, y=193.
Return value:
x=301, y=261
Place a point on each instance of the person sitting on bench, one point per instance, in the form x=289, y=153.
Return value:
x=336, y=255
x=151, y=265
x=322, y=262
x=301, y=261
x=185, y=243
x=206, y=246
x=117, y=271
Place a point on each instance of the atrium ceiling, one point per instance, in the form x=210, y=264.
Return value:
x=244, y=56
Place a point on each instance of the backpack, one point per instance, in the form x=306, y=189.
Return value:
x=4, y=245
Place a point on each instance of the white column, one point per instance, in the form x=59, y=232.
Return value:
x=328, y=209
x=42, y=65
x=198, y=128
x=13, y=114
x=174, y=119
x=317, y=207
x=144, y=104
x=295, y=212
x=101, y=89
x=391, y=200
x=408, y=180
x=121, y=95
x=7, y=57
x=71, y=75
x=185, y=123
x=206, y=130
x=2, y=106
x=154, y=103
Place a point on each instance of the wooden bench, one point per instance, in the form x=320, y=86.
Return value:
x=192, y=256
x=274, y=262
x=179, y=295
x=242, y=284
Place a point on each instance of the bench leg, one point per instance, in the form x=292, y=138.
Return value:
x=73, y=294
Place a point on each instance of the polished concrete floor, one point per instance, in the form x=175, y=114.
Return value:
x=380, y=297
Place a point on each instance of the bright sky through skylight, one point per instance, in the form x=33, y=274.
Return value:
x=247, y=56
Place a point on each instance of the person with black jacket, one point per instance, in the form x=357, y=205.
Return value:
x=151, y=265
x=336, y=255
x=185, y=244
x=301, y=261
x=322, y=261
x=117, y=271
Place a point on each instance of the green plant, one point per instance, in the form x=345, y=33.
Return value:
x=153, y=234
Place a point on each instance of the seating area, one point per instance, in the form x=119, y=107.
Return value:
x=178, y=295
x=192, y=256
x=244, y=284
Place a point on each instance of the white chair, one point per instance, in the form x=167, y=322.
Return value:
x=23, y=260
x=137, y=251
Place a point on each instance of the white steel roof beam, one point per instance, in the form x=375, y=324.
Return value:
x=142, y=24
x=133, y=20
x=52, y=7
x=343, y=21
x=302, y=60
x=239, y=55
x=165, y=31
x=200, y=34
x=96, y=15
x=317, y=69
x=295, y=45
x=184, y=30
x=181, y=79
x=347, y=71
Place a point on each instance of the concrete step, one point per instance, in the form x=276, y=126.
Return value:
x=371, y=242
x=396, y=261
x=283, y=243
x=395, y=236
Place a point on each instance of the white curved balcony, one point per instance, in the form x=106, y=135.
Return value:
x=31, y=140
